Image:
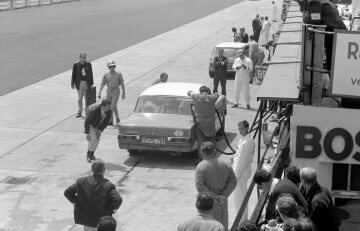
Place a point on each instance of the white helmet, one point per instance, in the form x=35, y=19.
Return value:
x=111, y=63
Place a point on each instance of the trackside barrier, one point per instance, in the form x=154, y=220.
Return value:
x=45, y=2
x=17, y=4
x=5, y=5
x=33, y=3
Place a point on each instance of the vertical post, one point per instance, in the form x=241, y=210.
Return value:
x=318, y=58
x=259, y=137
x=306, y=60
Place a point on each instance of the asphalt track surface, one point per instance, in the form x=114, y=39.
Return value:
x=37, y=43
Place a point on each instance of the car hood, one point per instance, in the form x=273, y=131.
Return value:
x=153, y=124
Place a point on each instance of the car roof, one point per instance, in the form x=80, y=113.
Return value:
x=172, y=89
x=236, y=45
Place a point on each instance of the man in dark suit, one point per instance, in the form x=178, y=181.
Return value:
x=256, y=25
x=220, y=65
x=96, y=121
x=93, y=197
x=82, y=80
x=277, y=187
x=319, y=199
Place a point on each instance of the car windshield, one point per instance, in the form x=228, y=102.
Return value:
x=228, y=52
x=163, y=105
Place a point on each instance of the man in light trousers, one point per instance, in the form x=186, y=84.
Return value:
x=243, y=67
x=242, y=165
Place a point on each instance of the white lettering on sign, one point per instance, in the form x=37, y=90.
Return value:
x=345, y=80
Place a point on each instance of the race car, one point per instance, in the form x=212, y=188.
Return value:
x=162, y=120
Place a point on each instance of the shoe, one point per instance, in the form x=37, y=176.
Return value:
x=248, y=107
x=234, y=106
x=78, y=115
x=92, y=156
x=117, y=120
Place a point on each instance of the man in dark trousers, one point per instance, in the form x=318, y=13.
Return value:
x=82, y=80
x=96, y=121
x=220, y=64
x=256, y=25
x=265, y=180
x=93, y=197
x=319, y=199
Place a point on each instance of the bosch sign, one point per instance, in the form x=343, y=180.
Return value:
x=326, y=134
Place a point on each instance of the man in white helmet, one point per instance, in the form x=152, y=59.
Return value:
x=113, y=81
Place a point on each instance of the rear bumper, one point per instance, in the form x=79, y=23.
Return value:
x=168, y=147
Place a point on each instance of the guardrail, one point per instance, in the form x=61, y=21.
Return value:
x=18, y=4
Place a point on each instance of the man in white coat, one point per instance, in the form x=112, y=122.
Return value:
x=266, y=30
x=243, y=67
x=242, y=165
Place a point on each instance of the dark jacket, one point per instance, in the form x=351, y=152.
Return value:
x=321, y=208
x=94, y=118
x=94, y=197
x=76, y=75
x=285, y=186
x=244, y=38
x=256, y=25
x=220, y=69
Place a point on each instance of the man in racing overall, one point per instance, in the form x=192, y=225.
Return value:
x=204, y=104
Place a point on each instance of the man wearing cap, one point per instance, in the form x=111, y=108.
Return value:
x=220, y=65
x=82, y=79
x=243, y=67
x=216, y=177
x=93, y=197
x=96, y=121
x=113, y=80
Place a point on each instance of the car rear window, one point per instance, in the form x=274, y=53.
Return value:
x=163, y=105
x=228, y=52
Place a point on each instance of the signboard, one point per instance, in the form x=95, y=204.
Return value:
x=45, y=2
x=345, y=78
x=16, y=4
x=5, y=5
x=33, y=2
x=325, y=134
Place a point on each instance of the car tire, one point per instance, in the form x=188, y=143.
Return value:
x=211, y=74
x=133, y=152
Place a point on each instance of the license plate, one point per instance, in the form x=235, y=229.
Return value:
x=152, y=141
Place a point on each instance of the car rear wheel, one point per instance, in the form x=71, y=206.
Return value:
x=133, y=152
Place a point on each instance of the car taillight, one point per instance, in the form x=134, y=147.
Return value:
x=178, y=139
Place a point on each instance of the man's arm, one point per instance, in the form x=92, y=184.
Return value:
x=73, y=76
x=103, y=82
x=231, y=183
x=71, y=193
x=122, y=86
x=88, y=120
x=91, y=77
x=115, y=197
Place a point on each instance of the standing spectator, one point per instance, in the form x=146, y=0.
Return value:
x=273, y=12
x=220, y=64
x=236, y=35
x=269, y=50
x=276, y=187
x=266, y=30
x=244, y=37
x=163, y=78
x=320, y=204
x=304, y=224
x=255, y=55
x=82, y=79
x=293, y=173
x=216, y=177
x=113, y=80
x=242, y=165
x=203, y=221
x=96, y=121
x=287, y=207
x=106, y=223
x=93, y=197
x=204, y=109
x=243, y=67
x=248, y=226
x=256, y=25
